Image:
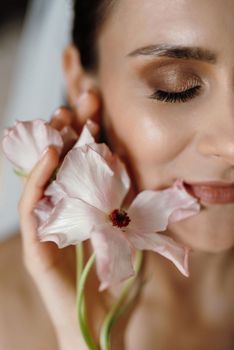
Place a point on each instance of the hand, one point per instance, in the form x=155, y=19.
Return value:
x=53, y=270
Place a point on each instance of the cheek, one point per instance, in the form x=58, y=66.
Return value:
x=150, y=141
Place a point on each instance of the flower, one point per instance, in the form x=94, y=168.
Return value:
x=54, y=193
x=95, y=183
x=25, y=142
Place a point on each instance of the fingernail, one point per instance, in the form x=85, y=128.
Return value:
x=44, y=153
x=93, y=127
x=81, y=98
x=90, y=122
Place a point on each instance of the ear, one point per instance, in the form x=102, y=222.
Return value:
x=82, y=92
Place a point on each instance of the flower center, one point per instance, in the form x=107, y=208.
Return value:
x=119, y=218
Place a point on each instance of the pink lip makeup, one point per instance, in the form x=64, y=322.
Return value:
x=211, y=192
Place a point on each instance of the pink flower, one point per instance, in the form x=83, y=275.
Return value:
x=96, y=182
x=25, y=142
x=54, y=193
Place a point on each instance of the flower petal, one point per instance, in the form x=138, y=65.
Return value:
x=70, y=222
x=86, y=136
x=189, y=205
x=113, y=255
x=117, y=166
x=24, y=143
x=55, y=192
x=150, y=211
x=43, y=210
x=86, y=175
x=162, y=245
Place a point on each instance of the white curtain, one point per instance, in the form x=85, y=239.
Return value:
x=38, y=87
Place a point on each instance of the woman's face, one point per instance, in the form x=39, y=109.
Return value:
x=192, y=140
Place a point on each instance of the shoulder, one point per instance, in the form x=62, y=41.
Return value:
x=22, y=311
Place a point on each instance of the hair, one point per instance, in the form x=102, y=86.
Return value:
x=12, y=10
x=89, y=17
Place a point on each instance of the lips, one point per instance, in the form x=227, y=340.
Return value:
x=211, y=192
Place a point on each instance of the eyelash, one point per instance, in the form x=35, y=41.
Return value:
x=173, y=97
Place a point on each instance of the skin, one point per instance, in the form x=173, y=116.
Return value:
x=159, y=142
x=192, y=140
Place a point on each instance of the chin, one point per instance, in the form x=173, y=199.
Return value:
x=202, y=233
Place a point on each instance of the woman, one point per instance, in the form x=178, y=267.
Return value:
x=158, y=78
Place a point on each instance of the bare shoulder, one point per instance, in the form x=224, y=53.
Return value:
x=24, y=323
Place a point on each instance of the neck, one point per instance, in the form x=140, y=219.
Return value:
x=203, y=263
x=205, y=268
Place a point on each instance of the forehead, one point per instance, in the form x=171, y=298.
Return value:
x=136, y=23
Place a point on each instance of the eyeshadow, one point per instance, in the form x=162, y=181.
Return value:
x=173, y=78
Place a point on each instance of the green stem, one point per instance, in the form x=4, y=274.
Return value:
x=126, y=306
x=80, y=261
x=20, y=173
x=80, y=303
x=80, y=266
x=119, y=308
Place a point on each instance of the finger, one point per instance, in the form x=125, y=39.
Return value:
x=87, y=106
x=33, y=191
x=94, y=129
x=63, y=116
x=38, y=178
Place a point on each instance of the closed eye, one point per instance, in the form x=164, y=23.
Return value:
x=173, y=96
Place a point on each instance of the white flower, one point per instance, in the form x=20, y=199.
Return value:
x=54, y=193
x=24, y=143
x=95, y=183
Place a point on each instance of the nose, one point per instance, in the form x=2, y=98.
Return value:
x=219, y=146
x=217, y=139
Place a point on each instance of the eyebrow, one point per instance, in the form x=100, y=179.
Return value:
x=176, y=51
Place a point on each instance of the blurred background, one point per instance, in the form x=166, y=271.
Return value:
x=11, y=21
x=12, y=16
x=33, y=34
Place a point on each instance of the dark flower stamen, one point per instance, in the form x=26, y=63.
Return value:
x=119, y=218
